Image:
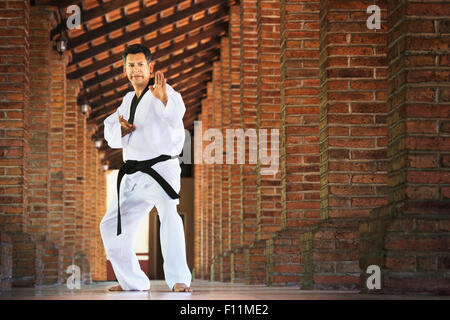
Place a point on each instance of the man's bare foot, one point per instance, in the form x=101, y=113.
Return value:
x=116, y=288
x=119, y=288
x=181, y=287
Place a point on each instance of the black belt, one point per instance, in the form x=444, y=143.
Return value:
x=132, y=166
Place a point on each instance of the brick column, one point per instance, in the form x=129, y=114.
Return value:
x=352, y=139
x=6, y=261
x=90, y=199
x=14, y=107
x=409, y=238
x=226, y=168
x=14, y=143
x=208, y=191
x=237, y=186
x=235, y=123
x=56, y=148
x=41, y=22
x=40, y=72
x=216, y=179
x=269, y=117
x=99, y=266
x=249, y=78
x=201, y=170
x=70, y=172
x=299, y=163
x=81, y=190
x=198, y=203
x=300, y=103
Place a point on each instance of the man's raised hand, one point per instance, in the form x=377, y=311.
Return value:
x=160, y=87
x=126, y=126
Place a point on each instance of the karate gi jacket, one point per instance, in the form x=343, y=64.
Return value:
x=159, y=130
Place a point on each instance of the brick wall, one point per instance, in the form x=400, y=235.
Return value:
x=226, y=168
x=43, y=220
x=268, y=117
x=363, y=129
x=249, y=96
x=409, y=238
x=236, y=202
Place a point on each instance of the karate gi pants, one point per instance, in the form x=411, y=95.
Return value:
x=138, y=194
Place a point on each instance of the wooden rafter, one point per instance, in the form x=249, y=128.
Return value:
x=139, y=16
x=214, y=30
x=90, y=14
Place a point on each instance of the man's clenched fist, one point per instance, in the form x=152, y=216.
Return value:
x=126, y=126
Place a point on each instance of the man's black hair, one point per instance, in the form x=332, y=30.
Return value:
x=136, y=48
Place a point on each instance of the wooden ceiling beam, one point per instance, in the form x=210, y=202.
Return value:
x=141, y=32
x=140, y=15
x=58, y=3
x=197, y=95
x=215, y=31
x=93, y=13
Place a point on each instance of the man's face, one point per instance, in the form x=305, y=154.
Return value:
x=138, y=70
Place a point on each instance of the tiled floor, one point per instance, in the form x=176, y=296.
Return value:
x=203, y=290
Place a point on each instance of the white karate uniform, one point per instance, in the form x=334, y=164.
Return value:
x=159, y=130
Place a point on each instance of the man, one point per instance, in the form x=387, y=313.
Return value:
x=148, y=126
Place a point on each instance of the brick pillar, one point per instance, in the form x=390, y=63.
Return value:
x=352, y=138
x=14, y=107
x=197, y=219
x=237, y=200
x=40, y=73
x=208, y=191
x=249, y=78
x=6, y=261
x=409, y=238
x=198, y=205
x=81, y=258
x=216, y=178
x=99, y=268
x=269, y=118
x=202, y=202
x=353, y=110
x=299, y=160
x=14, y=143
x=56, y=148
x=41, y=22
x=90, y=199
x=236, y=203
x=70, y=172
x=226, y=168
x=300, y=110
x=93, y=225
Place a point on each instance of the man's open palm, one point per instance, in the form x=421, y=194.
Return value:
x=160, y=87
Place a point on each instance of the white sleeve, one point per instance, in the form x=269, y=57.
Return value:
x=113, y=130
x=173, y=111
